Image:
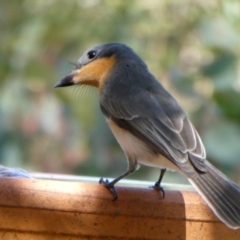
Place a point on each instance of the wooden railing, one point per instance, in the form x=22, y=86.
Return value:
x=49, y=209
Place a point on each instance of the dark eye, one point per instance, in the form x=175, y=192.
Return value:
x=91, y=54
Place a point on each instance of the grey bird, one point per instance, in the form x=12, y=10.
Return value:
x=151, y=127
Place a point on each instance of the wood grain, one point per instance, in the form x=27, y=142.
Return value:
x=45, y=209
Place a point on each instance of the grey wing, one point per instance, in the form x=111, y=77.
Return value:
x=161, y=124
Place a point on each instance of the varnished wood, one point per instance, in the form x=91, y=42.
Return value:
x=45, y=209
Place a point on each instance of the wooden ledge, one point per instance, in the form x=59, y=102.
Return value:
x=45, y=209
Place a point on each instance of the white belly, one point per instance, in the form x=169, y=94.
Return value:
x=136, y=148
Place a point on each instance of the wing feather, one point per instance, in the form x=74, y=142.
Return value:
x=161, y=122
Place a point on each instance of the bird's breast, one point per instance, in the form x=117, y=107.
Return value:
x=137, y=149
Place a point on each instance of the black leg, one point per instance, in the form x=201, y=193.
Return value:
x=157, y=185
x=132, y=166
x=110, y=185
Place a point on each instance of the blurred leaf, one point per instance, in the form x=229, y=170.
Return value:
x=222, y=71
x=222, y=142
x=182, y=82
x=219, y=65
x=229, y=102
x=218, y=33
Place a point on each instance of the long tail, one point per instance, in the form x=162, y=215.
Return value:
x=221, y=194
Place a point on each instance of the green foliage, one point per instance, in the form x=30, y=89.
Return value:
x=192, y=47
x=228, y=101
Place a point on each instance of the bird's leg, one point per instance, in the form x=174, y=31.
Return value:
x=132, y=166
x=157, y=185
x=110, y=185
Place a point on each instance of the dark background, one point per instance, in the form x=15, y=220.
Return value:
x=192, y=47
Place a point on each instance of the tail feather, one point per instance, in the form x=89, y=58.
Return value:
x=221, y=194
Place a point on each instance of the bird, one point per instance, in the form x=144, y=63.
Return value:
x=150, y=125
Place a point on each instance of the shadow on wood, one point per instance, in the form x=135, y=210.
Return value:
x=45, y=209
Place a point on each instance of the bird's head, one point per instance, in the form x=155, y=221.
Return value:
x=93, y=67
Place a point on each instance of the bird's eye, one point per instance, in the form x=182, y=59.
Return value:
x=91, y=54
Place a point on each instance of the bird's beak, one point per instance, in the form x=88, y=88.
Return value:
x=69, y=80
x=94, y=73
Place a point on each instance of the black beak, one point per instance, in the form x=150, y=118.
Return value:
x=65, y=82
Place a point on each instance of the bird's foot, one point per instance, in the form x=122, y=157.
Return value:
x=110, y=187
x=158, y=187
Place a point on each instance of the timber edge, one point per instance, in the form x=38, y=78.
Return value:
x=49, y=209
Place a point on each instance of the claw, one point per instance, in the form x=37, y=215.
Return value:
x=110, y=187
x=157, y=187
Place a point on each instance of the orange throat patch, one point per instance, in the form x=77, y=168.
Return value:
x=95, y=73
